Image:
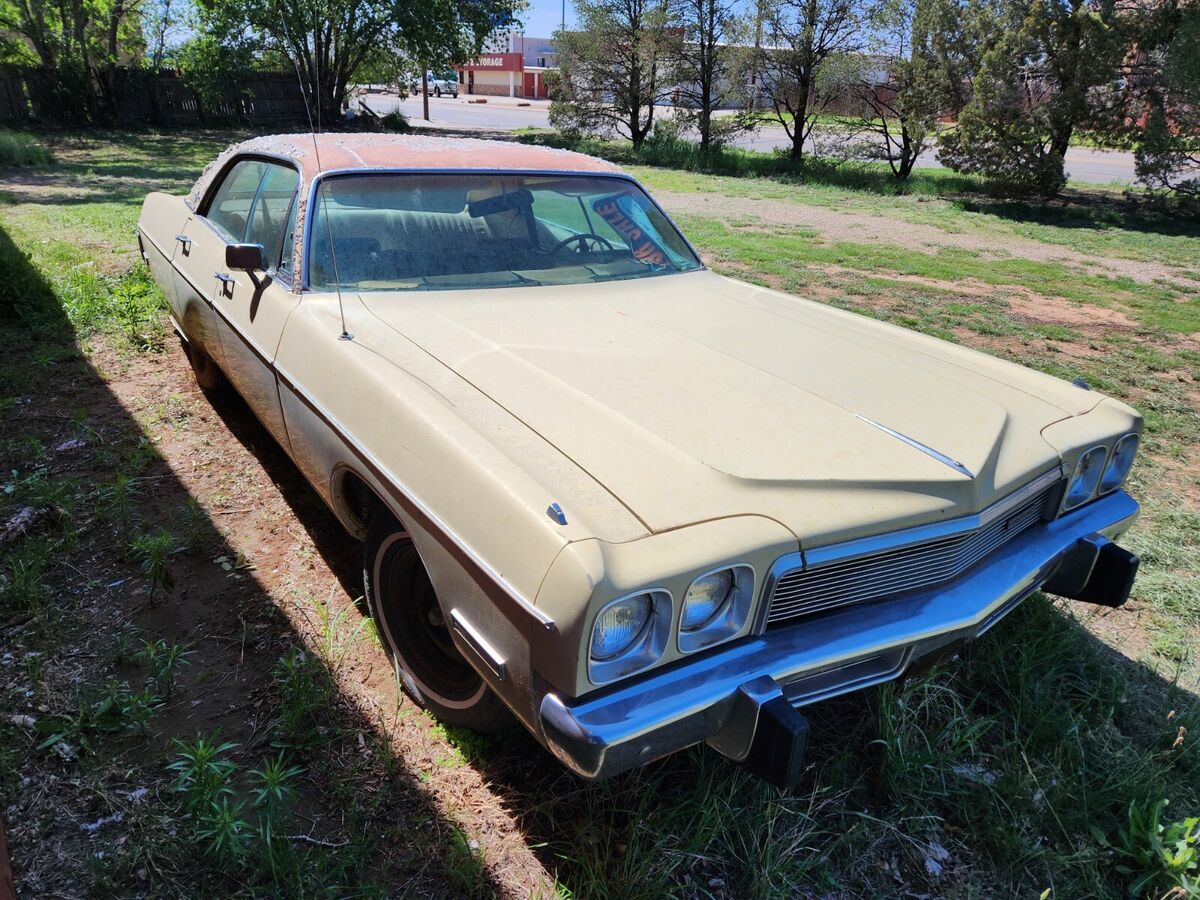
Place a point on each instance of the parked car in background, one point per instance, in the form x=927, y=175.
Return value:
x=633, y=503
x=438, y=84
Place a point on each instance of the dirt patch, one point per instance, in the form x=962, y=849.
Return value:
x=833, y=225
x=267, y=573
x=1055, y=311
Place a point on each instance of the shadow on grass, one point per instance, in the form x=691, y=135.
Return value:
x=1078, y=209
x=1002, y=761
x=86, y=163
x=74, y=606
x=1074, y=209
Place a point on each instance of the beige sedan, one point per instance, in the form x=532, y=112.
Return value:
x=633, y=503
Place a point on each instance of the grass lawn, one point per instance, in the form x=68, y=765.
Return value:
x=191, y=701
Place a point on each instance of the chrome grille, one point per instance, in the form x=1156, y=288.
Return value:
x=805, y=592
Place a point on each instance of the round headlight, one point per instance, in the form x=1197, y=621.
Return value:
x=1119, y=464
x=1086, y=478
x=705, y=598
x=619, y=626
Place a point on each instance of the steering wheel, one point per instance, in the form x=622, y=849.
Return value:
x=582, y=240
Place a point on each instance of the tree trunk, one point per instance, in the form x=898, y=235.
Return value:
x=800, y=118
x=908, y=156
x=1060, y=141
x=110, y=64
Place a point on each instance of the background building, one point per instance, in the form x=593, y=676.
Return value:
x=512, y=64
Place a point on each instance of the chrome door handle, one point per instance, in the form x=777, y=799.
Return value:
x=223, y=277
x=184, y=239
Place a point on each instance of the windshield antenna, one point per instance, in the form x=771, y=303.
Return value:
x=337, y=281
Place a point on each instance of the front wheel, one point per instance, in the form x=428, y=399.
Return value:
x=416, y=635
x=208, y=375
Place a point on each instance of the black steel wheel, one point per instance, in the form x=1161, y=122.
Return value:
x=416, y=635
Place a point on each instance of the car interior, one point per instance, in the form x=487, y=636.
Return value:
x=416, y=232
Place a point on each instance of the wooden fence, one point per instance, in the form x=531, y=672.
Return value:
x=139, y=97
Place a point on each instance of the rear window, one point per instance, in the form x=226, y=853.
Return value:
x=412, y=232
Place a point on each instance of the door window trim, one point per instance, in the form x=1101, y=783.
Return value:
x=219, y=179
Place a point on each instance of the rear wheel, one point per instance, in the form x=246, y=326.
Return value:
x=208, y=375
x=416, y=635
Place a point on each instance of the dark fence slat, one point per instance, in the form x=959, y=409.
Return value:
x=30, y=94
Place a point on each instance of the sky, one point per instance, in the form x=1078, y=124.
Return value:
x=542, y=17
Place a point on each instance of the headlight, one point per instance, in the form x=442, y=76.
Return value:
x=629, y=634
x=619, y=625
x=705, y=598
x=715, y=607
x=1119, y=463
x=1086, y=478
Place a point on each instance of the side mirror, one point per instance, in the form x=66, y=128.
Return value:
x=245, y=257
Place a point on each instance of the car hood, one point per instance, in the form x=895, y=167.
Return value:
x=692, y=397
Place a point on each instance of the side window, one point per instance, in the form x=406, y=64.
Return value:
x=230, y=207
x=287, y=255
x=270, y=212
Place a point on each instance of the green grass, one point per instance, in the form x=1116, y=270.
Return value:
x=780, y=250
x=1091, y=220
x=1034, y=761
x=97, y=699
x=1037, y=761
x=683, y=155
x=1112, y=222
x=18, y=149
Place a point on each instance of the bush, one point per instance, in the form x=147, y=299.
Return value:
x=661, y=149
x=395, y=121
x=17, y=149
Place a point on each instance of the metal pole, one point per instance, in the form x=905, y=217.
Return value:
x=425, y=90
x=564, y=15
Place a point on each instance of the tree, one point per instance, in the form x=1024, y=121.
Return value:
x=164, y=23
x=1035, y=86
x=706, y=70
x=902, y=88
x=803, y=43
x=1153, y=106
x=75, y=45
x=329, y=40
x=613, y=68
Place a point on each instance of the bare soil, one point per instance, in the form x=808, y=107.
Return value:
x=272, y=561
x=833, y=225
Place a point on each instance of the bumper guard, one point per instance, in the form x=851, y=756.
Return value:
x=742, y=699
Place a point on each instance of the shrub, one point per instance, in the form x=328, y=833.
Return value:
x=17, y=149
x=395, y=121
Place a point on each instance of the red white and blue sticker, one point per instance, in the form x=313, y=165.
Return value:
x=643, y=247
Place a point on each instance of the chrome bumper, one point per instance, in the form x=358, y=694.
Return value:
x=719, y=697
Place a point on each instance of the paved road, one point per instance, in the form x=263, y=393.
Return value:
x=503, y=114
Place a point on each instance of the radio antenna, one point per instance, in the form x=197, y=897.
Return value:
x=321, y=194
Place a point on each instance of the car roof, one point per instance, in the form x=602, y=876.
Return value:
x=314, y=154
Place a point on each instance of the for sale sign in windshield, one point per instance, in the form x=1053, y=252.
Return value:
x=644, y=249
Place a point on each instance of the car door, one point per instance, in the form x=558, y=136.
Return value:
x=252, y=307
x=162, y=219
x=200, y=253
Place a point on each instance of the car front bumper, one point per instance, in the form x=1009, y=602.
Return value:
x=742, y=698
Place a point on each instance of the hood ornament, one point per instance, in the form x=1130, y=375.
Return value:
x=924, y=448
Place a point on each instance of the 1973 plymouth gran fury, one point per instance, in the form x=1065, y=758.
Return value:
x=637, y=504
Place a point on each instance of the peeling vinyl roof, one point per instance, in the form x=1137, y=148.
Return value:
x=325, y=152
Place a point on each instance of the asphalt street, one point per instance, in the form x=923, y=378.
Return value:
x=504, y=114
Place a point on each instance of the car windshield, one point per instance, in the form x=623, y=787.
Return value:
x=414, y=232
